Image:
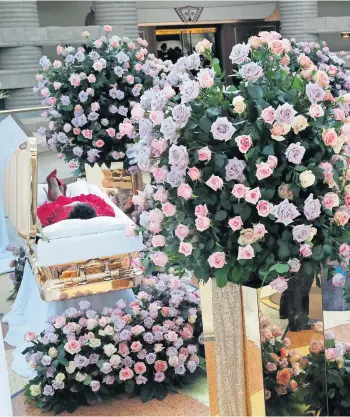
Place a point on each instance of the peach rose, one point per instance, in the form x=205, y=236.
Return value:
x=293, y=385
x=247, y=237
x=341, y=217
x=316, y=346
x=217, y=260
x=276, y=46
x=329, y=137
x=283, y=376
x=239, y=105
x=304, y=61
x=321, y=78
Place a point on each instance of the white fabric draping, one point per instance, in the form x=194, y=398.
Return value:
x=5, y=394
x=30, y=313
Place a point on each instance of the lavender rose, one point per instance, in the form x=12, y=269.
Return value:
x=146, y=99
x=181, y=114
x=174, y=178
x=251, y=71
x=189, y=91
x=178, y=158
x=145, y=129
x=158, y=101
x=234, y=169
x=168, y=128
x=95, y=385
x=222, y=129
x=295, y=153
x=312, y=208
x=314, y=92
x=285, y=114
x=192, y=62
x=150, y=358
x=285, y=212
x=239, y=53
x=48, y=390
x=301, y=233
x=81, y=361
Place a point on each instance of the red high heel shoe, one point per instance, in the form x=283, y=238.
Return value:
x=59, y=182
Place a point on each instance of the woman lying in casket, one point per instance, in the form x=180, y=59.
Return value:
x=61, y=207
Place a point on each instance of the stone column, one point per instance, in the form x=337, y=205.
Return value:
x=14, y=15
x=116, y=13
x=293, y=14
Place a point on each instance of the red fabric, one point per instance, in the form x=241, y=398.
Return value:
x=50, y=213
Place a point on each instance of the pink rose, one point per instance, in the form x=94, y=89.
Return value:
x=239, y=191
x=137, y=113
x=276, y=46
x=268, y=115
x=330, y=200
x=305, y=250
x=160, y=366
x=29, y=336
x=182, y=231
x=52, y=101
x=204, y=154
x=201, y=210
x=125, y=374
x=329, y=137
x=60, y=322
x=107, y=28
x=127, y=129
x=98, y=43
x=253, y=196
x=272, y=161
x=94, y=106
x=338, y=280
x=279, y=284
x=159, y=258
x=123, y=349
x=217, y=260
x=161, y=195
x=59, y=49
x=259, y=231
x=304, y=61
x=236, y=223
x=130, y=79
x=215, y=182
x=72, y=346
x=140, y=368
x=341, y=217
x=158, y=240
x=205, y=78
x=185, y=248
x=264, y=208
x=159, y=146
x=91, y=78
x=339, y=114
x=202, y=223
x=263, y=170
x=165, y=312
x=245, y=252
x=194, y=173
x=244, y=143
x=168, y=209
x=130, y=230
x=75, y=80
x=87, y=133
x=294, y=265
x=156, y=116
x=76, y=130
x=160, y=174
x=111, y=132
x=138, y=67
x=184, y=191
x=99, y=143
x=344, y=250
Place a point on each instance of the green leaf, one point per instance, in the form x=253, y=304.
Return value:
x=213, y=112
x=318, y=252
x=300, y=168
x=221, y=276
x=282, y=268
x=255, y=91
x=237, y=274
x=284, y=252
x=129, y=386
x=146, y=393
x=220, y=215
x=268, y=150
x=205, y=124
x=298, y=84
x=216, y=66
x=87, y=380
x=219, y=160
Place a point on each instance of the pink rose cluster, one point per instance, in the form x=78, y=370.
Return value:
x=156, y=339
x=84, y=127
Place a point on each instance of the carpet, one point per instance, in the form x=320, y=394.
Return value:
x=172, y=405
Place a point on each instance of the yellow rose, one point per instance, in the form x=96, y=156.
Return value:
x=71, y=367
x=307, y=178
x=60, y=377
x=247, y=237
x=53, y=352
x=35, y=390
x=80, y=377
x=284, y=191
x=94, y=343
x=238, y=103
x=192, y=319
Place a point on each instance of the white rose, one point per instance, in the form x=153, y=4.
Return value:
x=109, y=331
x=91, y=324
x=115, y=360
x=35, y=390
x=53, y=352
x=173, y=361
x=60, y=377
x=71, y=367
x=192, y=319
x=80, y=377
x=109, y=349
x=307, y=178
x=101, y=332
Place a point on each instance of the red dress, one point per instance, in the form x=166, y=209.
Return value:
x=50, y=213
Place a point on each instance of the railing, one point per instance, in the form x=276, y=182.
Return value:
x=25, y=113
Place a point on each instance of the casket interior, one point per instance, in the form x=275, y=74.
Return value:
x=68, y=266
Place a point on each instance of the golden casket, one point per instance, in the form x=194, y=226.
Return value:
x=71, y=258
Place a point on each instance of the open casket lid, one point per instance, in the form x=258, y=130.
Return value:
x=18, y=169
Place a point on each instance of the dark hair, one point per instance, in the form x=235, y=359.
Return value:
x=82, y=211
x=163, y=46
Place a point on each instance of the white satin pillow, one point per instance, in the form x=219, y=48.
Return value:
x=80, y=227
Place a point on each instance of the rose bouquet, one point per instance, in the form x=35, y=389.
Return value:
x=90, y=95
x=252, y=183
x=83, y=356
x=17, y=275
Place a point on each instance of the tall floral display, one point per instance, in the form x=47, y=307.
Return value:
x=251, y=183
x=90, y=92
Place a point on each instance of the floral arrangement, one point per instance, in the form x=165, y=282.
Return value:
x=3, y=94
x=90, y=95
x=320, y=55
x=84, y=356
x=252, y=182
x=17, y=275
